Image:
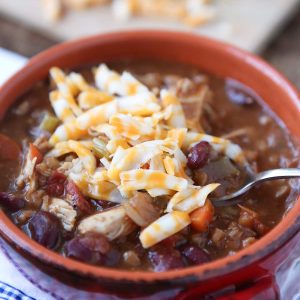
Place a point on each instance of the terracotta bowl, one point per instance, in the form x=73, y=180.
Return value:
x=205, y=54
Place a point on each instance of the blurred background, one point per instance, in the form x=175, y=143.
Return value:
x=270, y=28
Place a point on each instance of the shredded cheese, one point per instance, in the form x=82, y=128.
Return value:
x=147, y=179
x=142, y=140
x=164, y=227
x=191, y=198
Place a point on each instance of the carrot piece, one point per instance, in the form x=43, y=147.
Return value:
x=35, y=152
x=9, y=149
x=202, y=216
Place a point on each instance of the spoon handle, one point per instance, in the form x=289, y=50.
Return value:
x=277, y=174
x=260, y=177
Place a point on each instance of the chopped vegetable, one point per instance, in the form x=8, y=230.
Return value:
x=99, y=148
x=49, y=123
x=34, y=152
x=220, y=169
x=247, y=216
x=140, y=208
x=202, y=216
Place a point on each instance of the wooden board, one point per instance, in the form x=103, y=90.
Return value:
x=246, y=23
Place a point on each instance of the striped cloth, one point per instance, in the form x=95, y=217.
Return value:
x=7, y=292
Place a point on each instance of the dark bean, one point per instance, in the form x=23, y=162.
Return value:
x=90, y=247
x=164, y=259
x=198, y=155
x=174, y=241
x=11, y=202
x=55, y=184
x=171, y=241
x=112, y=258
x=75, y=249
x=78, y=200
x=195, y=255
x=139, y=249
x=45, y=228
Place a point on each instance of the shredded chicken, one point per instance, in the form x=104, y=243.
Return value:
x=42, y=142
x=64, y=211
x=193, y=97
x=28, y=178
x=47, y=166
x=141, y=210
x=36, y=198
x=112, y=223
x=74, y=166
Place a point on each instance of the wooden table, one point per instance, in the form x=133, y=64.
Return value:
x=283, y=52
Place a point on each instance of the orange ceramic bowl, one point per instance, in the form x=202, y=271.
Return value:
x=208, y=55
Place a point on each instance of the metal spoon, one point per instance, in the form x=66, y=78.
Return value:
x=231, y=199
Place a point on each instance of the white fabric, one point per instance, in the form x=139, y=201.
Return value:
x=10, y=275
x=9, y=64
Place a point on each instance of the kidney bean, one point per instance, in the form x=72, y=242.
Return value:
x=195, y=255
x=55, y=184
x=175, y=240
x=198, y=155
x=139, y=249
x=78, y=200
x=91, y=247
x=45, y=228
x=112, y=258
x=11, y=202
x=164, y=259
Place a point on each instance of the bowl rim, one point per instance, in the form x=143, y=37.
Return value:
x=273, y=240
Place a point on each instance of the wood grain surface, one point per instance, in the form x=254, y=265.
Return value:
x=248, y=24
x=283, y=52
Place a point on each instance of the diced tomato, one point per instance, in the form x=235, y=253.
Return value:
x=35, y=152
x=146, y=166
x=202, y=216
x=9, y=149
